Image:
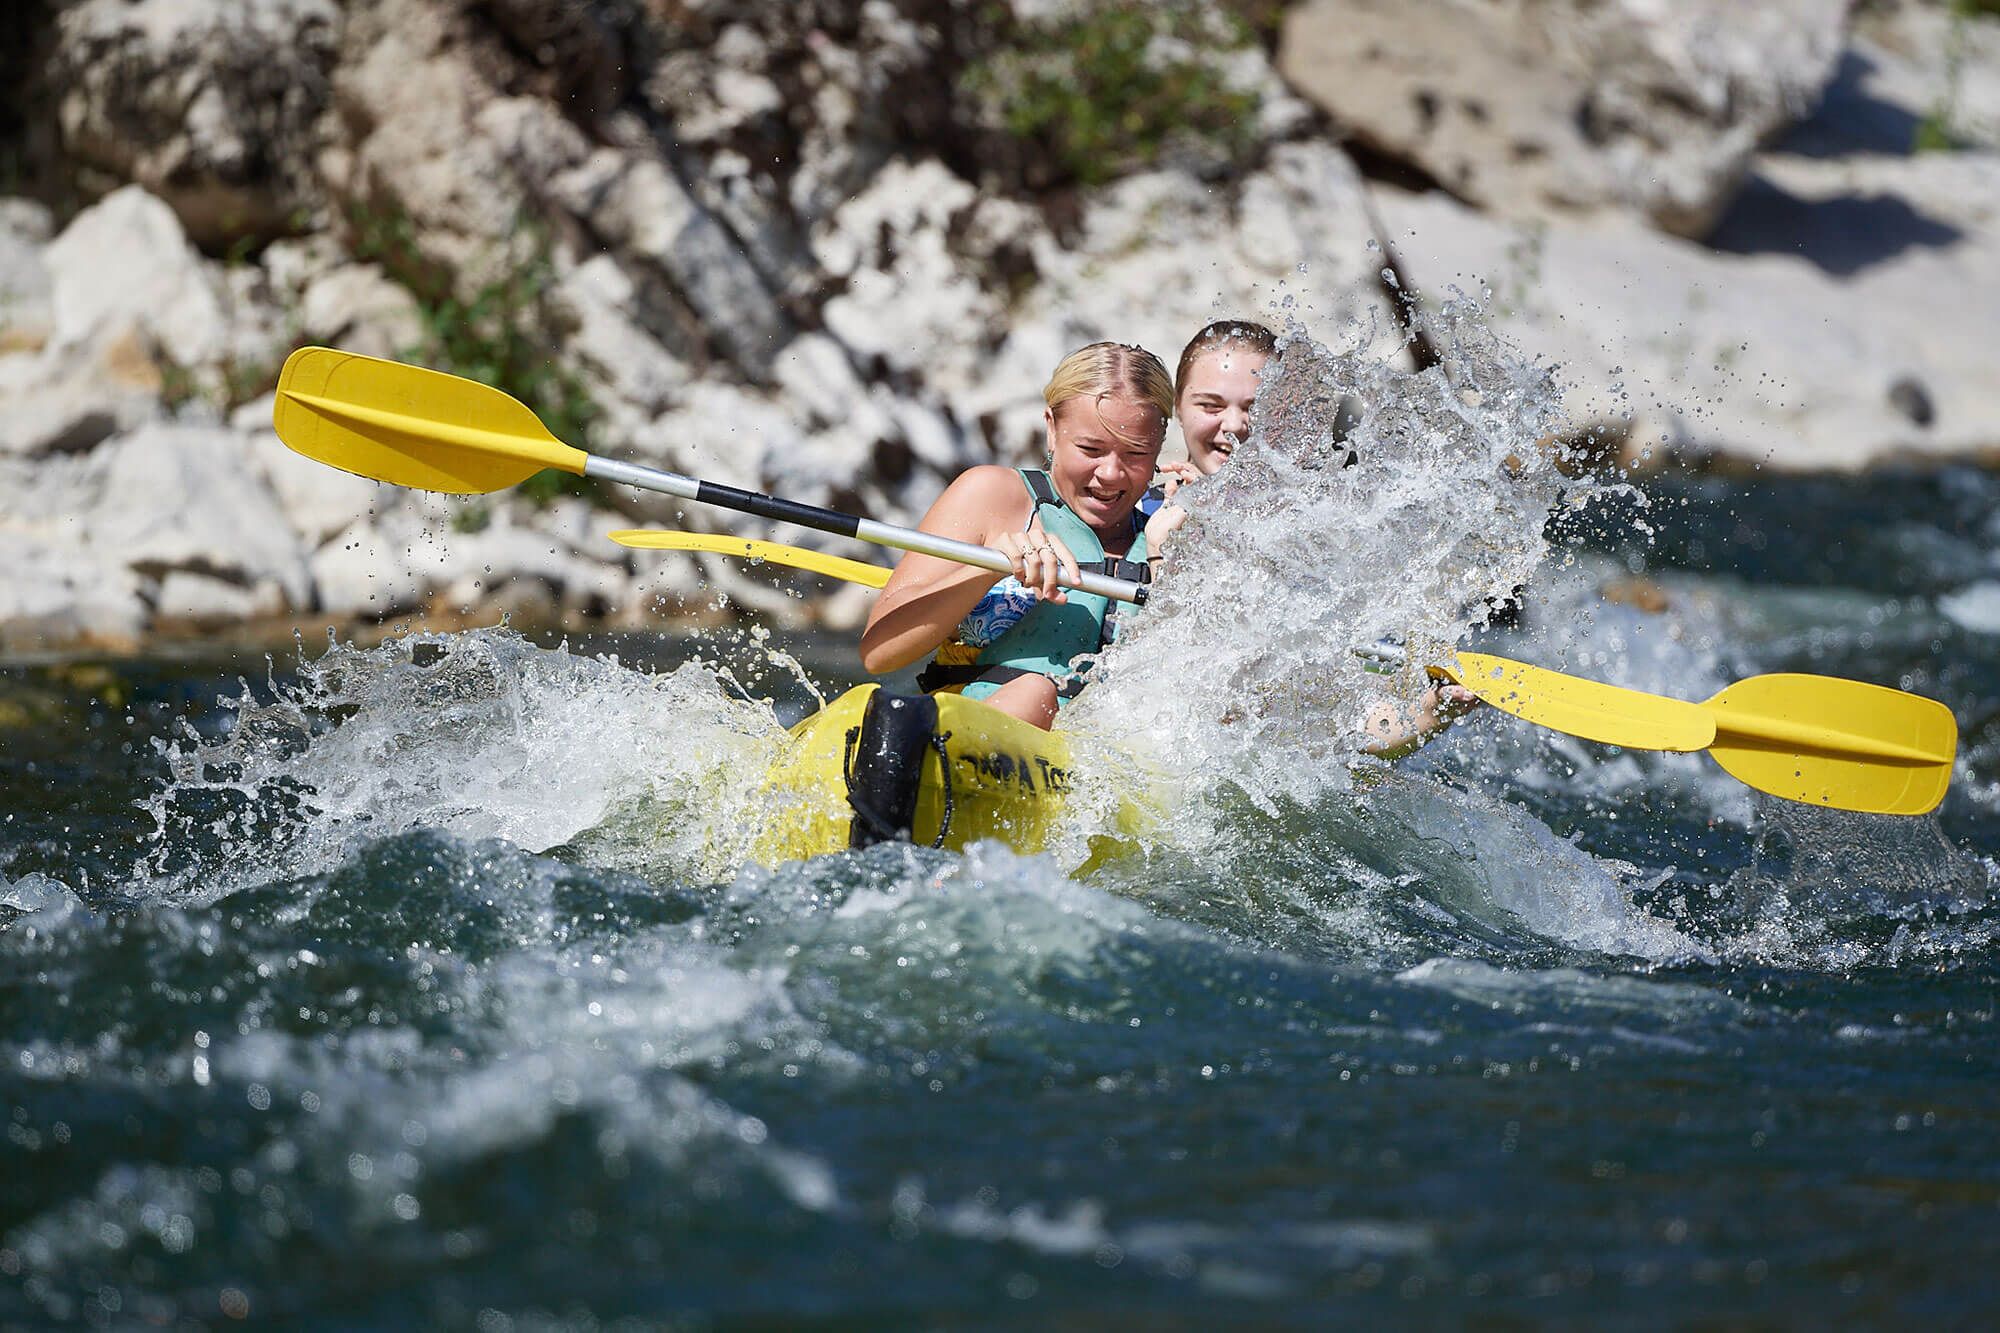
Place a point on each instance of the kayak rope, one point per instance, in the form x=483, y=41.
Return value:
x=938, y=739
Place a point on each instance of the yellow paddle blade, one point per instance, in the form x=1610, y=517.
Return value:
x=411, y=427
x=1609, y=714
x=1839, y=743
x=745, y=548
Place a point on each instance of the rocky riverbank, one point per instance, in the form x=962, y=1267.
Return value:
x=831, y=251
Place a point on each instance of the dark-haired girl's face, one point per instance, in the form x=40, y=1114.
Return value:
x=1215, y=402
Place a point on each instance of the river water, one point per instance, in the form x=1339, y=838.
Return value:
x=427, y=984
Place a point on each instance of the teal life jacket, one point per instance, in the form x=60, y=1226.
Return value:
x=1052, y=635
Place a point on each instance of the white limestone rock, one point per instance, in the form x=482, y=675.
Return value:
x=635, y=203
x=93, y=540
x=407, y=86
x=1549, y=108
x=1912, y=62
x=27, y=316
x=125, y=263
x=1764, y=358
x=910, y=301
x=213, y=108
x=719, y=432
x=816, y=374
x=60, y=593
x=317, y=501
x=52, y=404
x=291, y=266
x=200, y=599
x=615, y=354
x=398, y=559
x=359, y=308
x=188, y=498
x=1160, y=256
x=378, y=567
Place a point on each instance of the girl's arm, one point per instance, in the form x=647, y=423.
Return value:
x=1394, y=730
x=926, y=597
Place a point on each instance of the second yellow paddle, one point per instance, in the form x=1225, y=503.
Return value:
x=748, y=548
x=1816, y=739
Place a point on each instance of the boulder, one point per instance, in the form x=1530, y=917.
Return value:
x=60, y=594
x=1160, y=255
x=137, y=322
x=412, y=170
x=1915, y=69
x=1551, y=108
x=125, y=264
x=168, y=498
x=614, y=353
x=317, y=501
x=213, y=108
x=26, y=220
x=27, y=317
x=636, y=205
x=928, y=266
x=371, y=569
x=909, y=301
x=359, y=308
x=1766, y=357
x=291, y=266
x=69, y=408
x=201, y=600
x=96, y=542
x=716, y=431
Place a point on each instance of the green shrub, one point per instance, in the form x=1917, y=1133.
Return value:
x=1111, y=86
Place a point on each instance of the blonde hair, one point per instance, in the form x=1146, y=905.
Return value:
x=1103, y=369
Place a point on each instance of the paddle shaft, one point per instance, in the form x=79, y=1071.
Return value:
x=839, y=524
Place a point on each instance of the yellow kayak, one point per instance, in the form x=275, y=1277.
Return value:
x=938, y=770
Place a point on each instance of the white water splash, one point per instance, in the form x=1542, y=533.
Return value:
x=480, y=734
x=1244, y=668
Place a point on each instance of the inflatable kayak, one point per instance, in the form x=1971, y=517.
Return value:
x=937, y=770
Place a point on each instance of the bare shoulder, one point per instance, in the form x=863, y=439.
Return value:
x=988, y=481
x=979, y=499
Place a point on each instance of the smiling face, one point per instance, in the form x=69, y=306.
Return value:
x=1215, y=402
x=1102, y=456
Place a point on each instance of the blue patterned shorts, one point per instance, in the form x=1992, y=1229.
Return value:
x=997, y=612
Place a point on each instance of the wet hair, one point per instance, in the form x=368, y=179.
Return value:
x=1224, y=333
x=1103, y=369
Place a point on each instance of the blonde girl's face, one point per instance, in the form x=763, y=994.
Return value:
x=1214, y=405
x=1102, y=454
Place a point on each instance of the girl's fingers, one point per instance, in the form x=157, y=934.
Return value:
x=1061, y=561
x=1016, y=550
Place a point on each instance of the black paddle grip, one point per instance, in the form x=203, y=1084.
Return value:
x=780, y=511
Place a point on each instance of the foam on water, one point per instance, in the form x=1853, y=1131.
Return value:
x=1244, y=667
x=482, y=734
